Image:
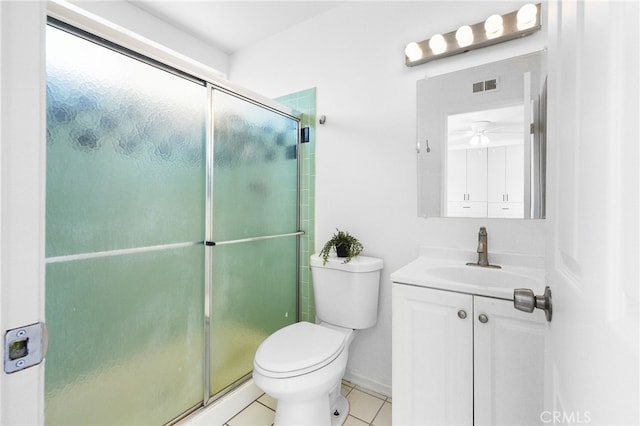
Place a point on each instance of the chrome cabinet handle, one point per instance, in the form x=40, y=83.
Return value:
x=483, y=318
x=462, y=314
x=525, y=300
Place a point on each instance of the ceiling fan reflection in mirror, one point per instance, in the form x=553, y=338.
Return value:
x=496, y=127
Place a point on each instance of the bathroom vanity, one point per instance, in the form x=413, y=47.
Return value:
x=462, y=355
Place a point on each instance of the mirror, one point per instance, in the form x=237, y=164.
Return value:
x=481, y=141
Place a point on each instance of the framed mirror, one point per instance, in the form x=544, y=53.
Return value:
x=481, y=141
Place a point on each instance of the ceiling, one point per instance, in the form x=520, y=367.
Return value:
x=503, y=126
x=233, y=25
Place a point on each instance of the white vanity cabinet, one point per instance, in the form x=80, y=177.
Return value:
x=509, y=374
x=462, y=359
x=432, y=357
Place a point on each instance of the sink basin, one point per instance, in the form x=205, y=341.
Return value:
x=479, y=276
x=455, y=275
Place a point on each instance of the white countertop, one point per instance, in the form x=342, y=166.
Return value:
x=446, y=269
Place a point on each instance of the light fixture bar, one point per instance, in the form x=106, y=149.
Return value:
x=420, y=52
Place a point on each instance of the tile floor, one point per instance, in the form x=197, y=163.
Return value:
x=365, y=408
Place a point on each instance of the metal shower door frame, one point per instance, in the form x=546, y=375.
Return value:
x=277, y=108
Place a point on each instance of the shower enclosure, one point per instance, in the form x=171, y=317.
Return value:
x=171, y=234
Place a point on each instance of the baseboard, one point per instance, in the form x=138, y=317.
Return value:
x=368, y=383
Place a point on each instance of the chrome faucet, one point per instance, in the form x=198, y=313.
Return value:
x=483, y=251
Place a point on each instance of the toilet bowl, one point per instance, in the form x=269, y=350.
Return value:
x=302, y=365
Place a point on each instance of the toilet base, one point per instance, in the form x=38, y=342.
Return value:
x=311, y=412
x=339, y=411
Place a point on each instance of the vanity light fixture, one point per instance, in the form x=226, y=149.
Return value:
x=493, y=26
x=526, y=16
x=464, y=36
x=437, y=44
x=413, y=51
x=496, y=29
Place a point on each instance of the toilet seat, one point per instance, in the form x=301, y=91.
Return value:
x=298, y=349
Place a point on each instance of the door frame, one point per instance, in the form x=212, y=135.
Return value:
x=22, y=195
x=23, y=169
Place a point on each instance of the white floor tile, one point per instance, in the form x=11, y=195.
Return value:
x=365, y=409
x=370, y=392
x=363, y=405
x=348, y=383
x=352, y=421
x=269, y=401
x=384, y=416
x=255, y=414
x=345, y=390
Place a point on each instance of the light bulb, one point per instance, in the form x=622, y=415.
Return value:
x=437, y=44
x=413, y=51
x=484, y=140
x=493, y=26
x=475, y=139
x=526, y=16
x=464, y=36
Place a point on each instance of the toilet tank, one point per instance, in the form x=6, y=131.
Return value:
x=346, y=294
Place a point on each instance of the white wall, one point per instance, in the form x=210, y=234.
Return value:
x=366, y=164
x=133, y=19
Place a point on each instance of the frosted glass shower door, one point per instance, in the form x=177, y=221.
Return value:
x=254, y=221
x=125, y=220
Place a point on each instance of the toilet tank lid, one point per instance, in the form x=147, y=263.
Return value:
x=356, y=264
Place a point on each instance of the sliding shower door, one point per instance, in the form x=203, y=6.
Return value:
x=254, y=228
x=125, y=220
x=171, y=234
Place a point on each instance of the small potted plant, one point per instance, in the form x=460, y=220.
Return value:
x=345, y=245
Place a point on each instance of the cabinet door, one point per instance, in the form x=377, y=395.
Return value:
x=510, y=370
x=514, y=173
x=457, y=175
x=477, y=174
x=432, y=357
x=505, y=174
x=496, y=175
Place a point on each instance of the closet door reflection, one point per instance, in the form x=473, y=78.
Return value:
x=255, y=196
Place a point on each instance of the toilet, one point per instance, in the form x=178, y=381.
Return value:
x=302, y=365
